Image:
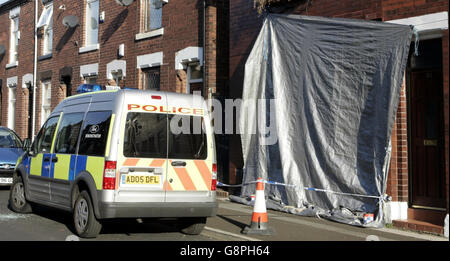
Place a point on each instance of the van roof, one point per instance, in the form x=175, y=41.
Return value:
x=169, y=94
x=104, y=99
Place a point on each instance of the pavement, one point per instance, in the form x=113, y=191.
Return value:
x=233, y=217
x=47, y=224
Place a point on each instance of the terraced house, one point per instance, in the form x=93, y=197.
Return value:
x=49, y=47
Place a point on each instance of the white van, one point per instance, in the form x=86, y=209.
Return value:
x=122, y=154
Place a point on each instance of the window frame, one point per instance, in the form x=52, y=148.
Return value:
x=146, y=76
x=14, y=40
x=44, y=106
x=56, y=140
x=12, y=104
x=38, y=136
x=88, y=27
x=189, y=80
x=47, y=41
x=48, y=34
x=146, y=12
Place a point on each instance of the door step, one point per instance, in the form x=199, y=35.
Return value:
x=419, y=226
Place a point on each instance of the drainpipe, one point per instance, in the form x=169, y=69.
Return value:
x=33, y=129
x=204, y=49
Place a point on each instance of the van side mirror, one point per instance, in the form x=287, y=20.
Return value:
x=26, y=144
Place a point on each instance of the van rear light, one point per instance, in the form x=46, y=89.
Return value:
x=109, y=175
x=214, y=185
x=214, y=177
x=156, y=97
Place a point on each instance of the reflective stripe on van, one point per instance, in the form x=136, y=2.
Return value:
x=195, y=176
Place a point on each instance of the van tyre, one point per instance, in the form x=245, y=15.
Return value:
x=192, y=226
x=86, y=224
x=17, y=200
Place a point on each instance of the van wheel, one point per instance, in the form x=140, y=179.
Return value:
x=86, y=224
x=192, y=226
x=17, y=199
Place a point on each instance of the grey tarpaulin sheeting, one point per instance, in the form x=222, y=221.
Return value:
x=335, y=87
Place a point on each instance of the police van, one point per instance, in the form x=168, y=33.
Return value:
x=122, y=154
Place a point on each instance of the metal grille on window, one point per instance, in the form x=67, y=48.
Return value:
x=152, y=80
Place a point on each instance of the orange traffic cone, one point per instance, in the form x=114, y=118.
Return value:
x=259, y=224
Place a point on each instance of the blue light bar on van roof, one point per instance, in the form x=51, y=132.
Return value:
x=88, y=88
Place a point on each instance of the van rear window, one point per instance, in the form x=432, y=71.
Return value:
x=149, y=135
x=145, y=135
x=187, y=137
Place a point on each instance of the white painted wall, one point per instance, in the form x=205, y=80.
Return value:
x=395, y=210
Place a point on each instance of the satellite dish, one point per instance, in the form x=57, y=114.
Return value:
x=2, y=49
x=70, y=21
x=124, y=2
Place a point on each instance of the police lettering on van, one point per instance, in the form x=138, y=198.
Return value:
x=112, y=154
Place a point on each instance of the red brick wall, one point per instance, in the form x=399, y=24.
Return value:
x=398, y=9
x=26, y=47
x=183, y=27
x=397, y=184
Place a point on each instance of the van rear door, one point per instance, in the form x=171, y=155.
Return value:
x=142, y=151
x=190, y=157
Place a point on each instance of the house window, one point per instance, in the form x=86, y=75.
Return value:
x=48, y=39
x=12, y=108
x=117, y=77
x=90, y=79
x=92, y=15
x=194, y=78
x=14, y=44
x=46, y=21
x=152, y=14
x=46, y=100
x=151, y=79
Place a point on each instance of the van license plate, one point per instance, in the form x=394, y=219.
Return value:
x=6, y=180
x=140, y=180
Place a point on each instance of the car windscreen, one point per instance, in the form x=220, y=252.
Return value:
x=9, y=140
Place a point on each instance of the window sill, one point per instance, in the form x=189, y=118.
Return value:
x=45, y=57
x=89, y=48
x=196, y=81
x=12, y=65
x=150, y=34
